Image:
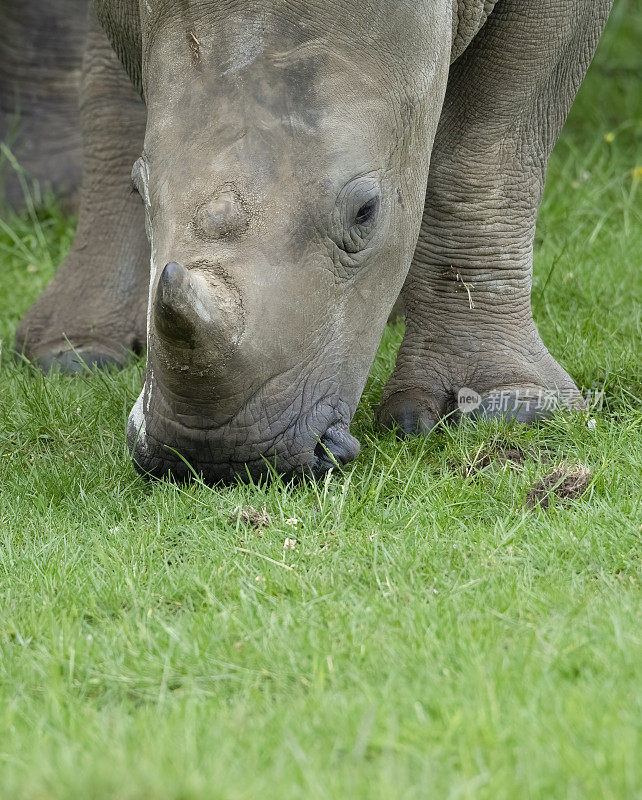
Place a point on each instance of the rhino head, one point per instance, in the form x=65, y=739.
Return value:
x=283, y=175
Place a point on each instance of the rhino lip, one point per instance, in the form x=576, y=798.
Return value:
x=180, y=450
x=336, y=448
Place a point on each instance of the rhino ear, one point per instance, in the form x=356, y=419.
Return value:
x=120, y=19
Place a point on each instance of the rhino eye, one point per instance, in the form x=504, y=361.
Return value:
x=368, y=211
x=356, y=214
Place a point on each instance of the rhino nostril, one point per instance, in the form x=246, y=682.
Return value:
x=336, y=446
x=322, y=452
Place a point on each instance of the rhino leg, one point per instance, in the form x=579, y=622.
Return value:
x=95, y=306
x=41, y=45
x=467, y=296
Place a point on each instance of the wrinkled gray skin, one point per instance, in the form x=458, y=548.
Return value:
x=298, y=159
x=40, y=64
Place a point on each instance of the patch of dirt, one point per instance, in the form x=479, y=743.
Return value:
x=250, y=517
x=566, y=481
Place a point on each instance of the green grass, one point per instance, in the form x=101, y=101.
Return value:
x=428, y=637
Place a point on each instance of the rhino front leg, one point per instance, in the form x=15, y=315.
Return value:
x=95, y=306
x=467, y=296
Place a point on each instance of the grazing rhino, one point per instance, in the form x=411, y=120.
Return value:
x=298, y=166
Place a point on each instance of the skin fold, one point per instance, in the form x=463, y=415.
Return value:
x=298, y=166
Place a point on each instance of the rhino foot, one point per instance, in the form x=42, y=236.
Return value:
x=66, y=357
x=415, y=412
x=423, y=390
x=88, y=315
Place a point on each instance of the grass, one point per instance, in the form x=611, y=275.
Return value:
x=428, y=636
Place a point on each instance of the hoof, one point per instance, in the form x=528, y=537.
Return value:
x=80, y=359
x=408, y=413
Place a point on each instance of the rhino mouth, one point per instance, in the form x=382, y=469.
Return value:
x=309, y=445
